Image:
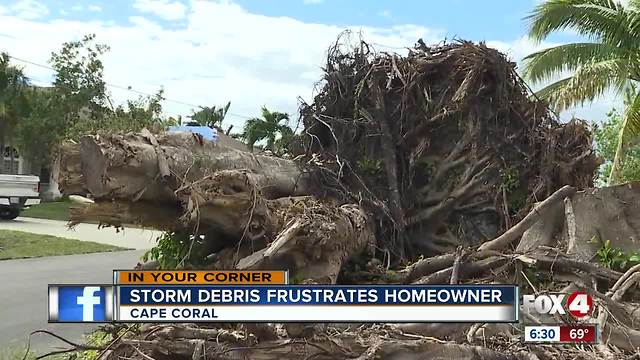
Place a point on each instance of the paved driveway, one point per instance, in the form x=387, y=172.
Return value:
x=131, y=238
x=23, y=293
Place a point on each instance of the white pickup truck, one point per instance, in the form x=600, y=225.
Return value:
x=16, y=193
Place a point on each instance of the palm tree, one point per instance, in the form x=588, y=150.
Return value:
x=268, y=128
x=13, y=100
x=610, y=60
x=211, y=116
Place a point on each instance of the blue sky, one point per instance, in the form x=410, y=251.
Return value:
x=481, y=20
x=469, y=19
x=251, y=52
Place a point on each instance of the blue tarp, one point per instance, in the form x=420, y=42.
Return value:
x=206, y=132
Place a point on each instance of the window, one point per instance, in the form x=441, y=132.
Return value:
x=10, y=160
x=10, y=152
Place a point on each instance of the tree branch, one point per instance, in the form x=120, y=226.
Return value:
x=515, y=232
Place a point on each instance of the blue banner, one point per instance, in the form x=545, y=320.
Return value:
x=319, y=295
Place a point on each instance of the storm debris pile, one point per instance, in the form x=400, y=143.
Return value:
x=446, y=141
x=426, y=168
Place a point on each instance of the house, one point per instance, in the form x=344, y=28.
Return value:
x=15, y=163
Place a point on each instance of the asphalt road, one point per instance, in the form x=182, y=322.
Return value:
x=130, y=238
x=23, y=294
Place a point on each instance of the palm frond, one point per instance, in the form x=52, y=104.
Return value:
x=285, y=130
x=588, y=82
x=630, y=94
x=548, y=91
x=605, y=20
x=634, y=9
x=256, y=130
x=629, y=130
x=13, y=101
x=274, y=117
x=542, y=65
x=266, y=114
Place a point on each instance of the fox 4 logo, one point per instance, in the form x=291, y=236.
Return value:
x=578, y=304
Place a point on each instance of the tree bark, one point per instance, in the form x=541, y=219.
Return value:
x=515, y=232
x=180, y=182
x=316, y=243
x=128, y=167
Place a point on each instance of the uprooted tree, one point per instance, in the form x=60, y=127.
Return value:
x=426, y=155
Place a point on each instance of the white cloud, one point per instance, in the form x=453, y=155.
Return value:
x=521, y=47
x=29, y=9
x=166, y=9
x=223, y=53
x=95, y=8
x=311, y=2
x=77, y=7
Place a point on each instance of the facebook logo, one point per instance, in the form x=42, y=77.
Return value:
x=89, y=303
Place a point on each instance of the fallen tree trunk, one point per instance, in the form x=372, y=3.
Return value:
x=127, y=167
x=195, y=185
x=119, y=214
x=311, y=239
x=316, y=243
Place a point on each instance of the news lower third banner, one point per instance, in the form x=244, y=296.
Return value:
x=282, y=303
x=303, y=303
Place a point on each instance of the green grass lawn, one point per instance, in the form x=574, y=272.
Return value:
x=55, y=210
x=18, y=245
